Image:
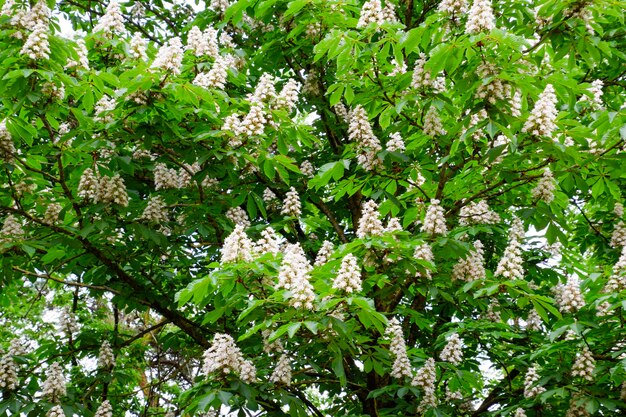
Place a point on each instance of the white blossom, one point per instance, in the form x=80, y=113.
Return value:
x=273, y=346
x=265, y=90
x=618, y=209
x=510, y=265
x=568, y=296
x=326, y=250
x=8, y=373
x=293, y=276
x=617, y=280
x=7, y=148
x=545, y=187
x=53, y=387
x=531, y=388
x=237, y=246
x=112, y=190
x=596, y=94
x=11, y=228
x=37, y=45
x=401, y=366
x=51, y=216
x=519, y=412
x=254, y=122
x=421, y=77
x=472, y=267
x=584, y=364
x=81, y=53
x=56, y=411
x=105, y=410
x=88, y=185
x=170, y=56
x=223, y=356
x=395, y=143
x=434, y=220
x=425, y=379
x=155, y=211
x=219, y=6
x=269, y=242
x=480, y=17
x=106, y=357
x=618, y=238
x=432, y=123
x=367, y=144
x=342, y=112
x=371, y=12
x=103, y=108
x=393, y=225
x=165, y=177
x=282, y=372
x=292, y=206
x=369, y=222
x=307, y=169
x=288, y=96
x=477, y=212
x=348, y=278
x=533, y=322
x=138, y=47
x=216, y=77
x=398, y=68
x=112, y=22
x=247, y=372
x=516, y=104
x=453, y=352
x=543, y=116
x=576, y=408
x=453, y=7
x=424, y=252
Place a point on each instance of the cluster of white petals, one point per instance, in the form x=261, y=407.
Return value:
x=533, y=321
x=56, y=411
x=324, y=253
x=370, y=223
x=292, y=206
x=224, y=357
x=432, y=123
x=111, y=190
x=112, y=22
x=219, y=6
x=453, y=7
x=472, y=267
x=11, y=228
x=584, y=364
x=395, y=143
x=67, y=322
x=453, y=351
x=288, y=96
x=516, y=104
x=155, y=211
x=307, y=169
x=421, y=77
x=425, y=378
x=106, y=357
x=282, y=372
x=495, y=88
x=577, y=408
x=237, y=246
x=434, y=220
x=348, y=278
x=618, y=237
x=393, y=225
x=268, y=243
x=401, y=366
x=37, y=45
x=545, y=187
x=425, y=253
x=81, y=54
x=531, y=389
x=618, y=209
x=138, y=46
x=51, y=216
x=7, y=148
x=238, y=216
x=170, y=56
x=273, y=346
x=367, y=144
x=293, y=276
x=103, y=108
x=265, y=90
x=342, y=112
x=398, y=68
x=105, y=410
x=480, y=17
x=215, y=77
x=519, y=412
x=543, y=116
x=477, y=212
x=569, y=297
x=511, y=265
x=617, y=280
x=53, y=387
x=8, y=373
x=371, y=12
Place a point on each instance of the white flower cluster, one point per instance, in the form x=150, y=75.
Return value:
x=401, y=366
x=519, y=412
x=568, y=296
x=475, y=120
x=425, y=253
x=54, y=386
x=106, y=357
x=170, y=56
x=421, y=77
x=393, y=225
x=342, y=112
x=268, y=243
x=219, y=6
x=110, y=190
x=225, y=357
x=269, y=198
x=492, y=314
x=511, y=265
x=395, y=143
x=543, y=116
x=367, y=144
x=203, y=43
x=453, y=7
x=293, y=276
x=584, y=364
x=288, y=96
x=432, y=123
x=324, y=253
x=8, y=373
x=545, y=187
x=292, y=206
x=425, y=378
x=282, y=372
x=516, y=104
x=216, y=77
x=471, y=268
x=56, y=411
x=307, y=169
x=67, y=322
x=480, y=17
x=265, y=91
x=596, y=94
x=493, y=90
x=11, y=228
x=531, y=389
x=37, y=45
x=7, y=148
x=617, y=280
x=273, y=346
x=453, y=351
x=138, y=46
x=398, y=68
x=238, y=216
x=103, y=108
x=155, y=211
x=533, y=321
x=577, y=409
x=348, y=278
x=434, y=220
x=112, y=22
x=237, y=246
x=618, y=209
x=477, y=212
x=618, y=238
x=370, y=223
x=51, y=216
x=18, y=348
x=105, y=410
x=372, y=12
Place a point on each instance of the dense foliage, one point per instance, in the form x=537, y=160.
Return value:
x=313, y=208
